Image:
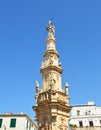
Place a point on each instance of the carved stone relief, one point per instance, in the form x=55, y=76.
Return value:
x=51, y=59
x=52, y=80
x=63, y=123
x=45, y=122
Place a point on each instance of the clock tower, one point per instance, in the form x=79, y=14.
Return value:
x=52, y=102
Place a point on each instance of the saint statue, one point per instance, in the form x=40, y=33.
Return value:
x=51, y=29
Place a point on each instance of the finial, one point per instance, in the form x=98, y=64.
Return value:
x=51, y=29
x=66, y=84
x=37, y=84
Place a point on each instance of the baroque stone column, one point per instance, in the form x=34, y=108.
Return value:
x=52, y=103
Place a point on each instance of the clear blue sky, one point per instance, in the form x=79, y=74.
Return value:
x=23, y=42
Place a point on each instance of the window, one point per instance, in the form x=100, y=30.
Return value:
x=89, y=112
x=13, y=122
x=78, y=112
x=91, y=123
x=27, y=125
x=80, y=124
x=30, y=126
x=0, y=123
x=86, y=113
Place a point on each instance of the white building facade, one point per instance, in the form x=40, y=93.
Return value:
x=86, y=116
x=16, y=122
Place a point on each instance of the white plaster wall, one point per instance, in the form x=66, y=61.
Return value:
x=21, y=123
x=93, y=110
x=94, y=115
x=96, y=122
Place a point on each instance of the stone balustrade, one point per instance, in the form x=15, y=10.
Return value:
x=53, y=96
x=43, y=96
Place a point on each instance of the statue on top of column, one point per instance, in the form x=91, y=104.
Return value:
x=51, y=29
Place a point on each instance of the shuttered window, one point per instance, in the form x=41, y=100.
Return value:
x=27, y=125
x=13, y=122
x=80, y=124
x=91, y=123
x=0, y=123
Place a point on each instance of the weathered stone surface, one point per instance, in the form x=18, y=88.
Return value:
x=52, y=103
